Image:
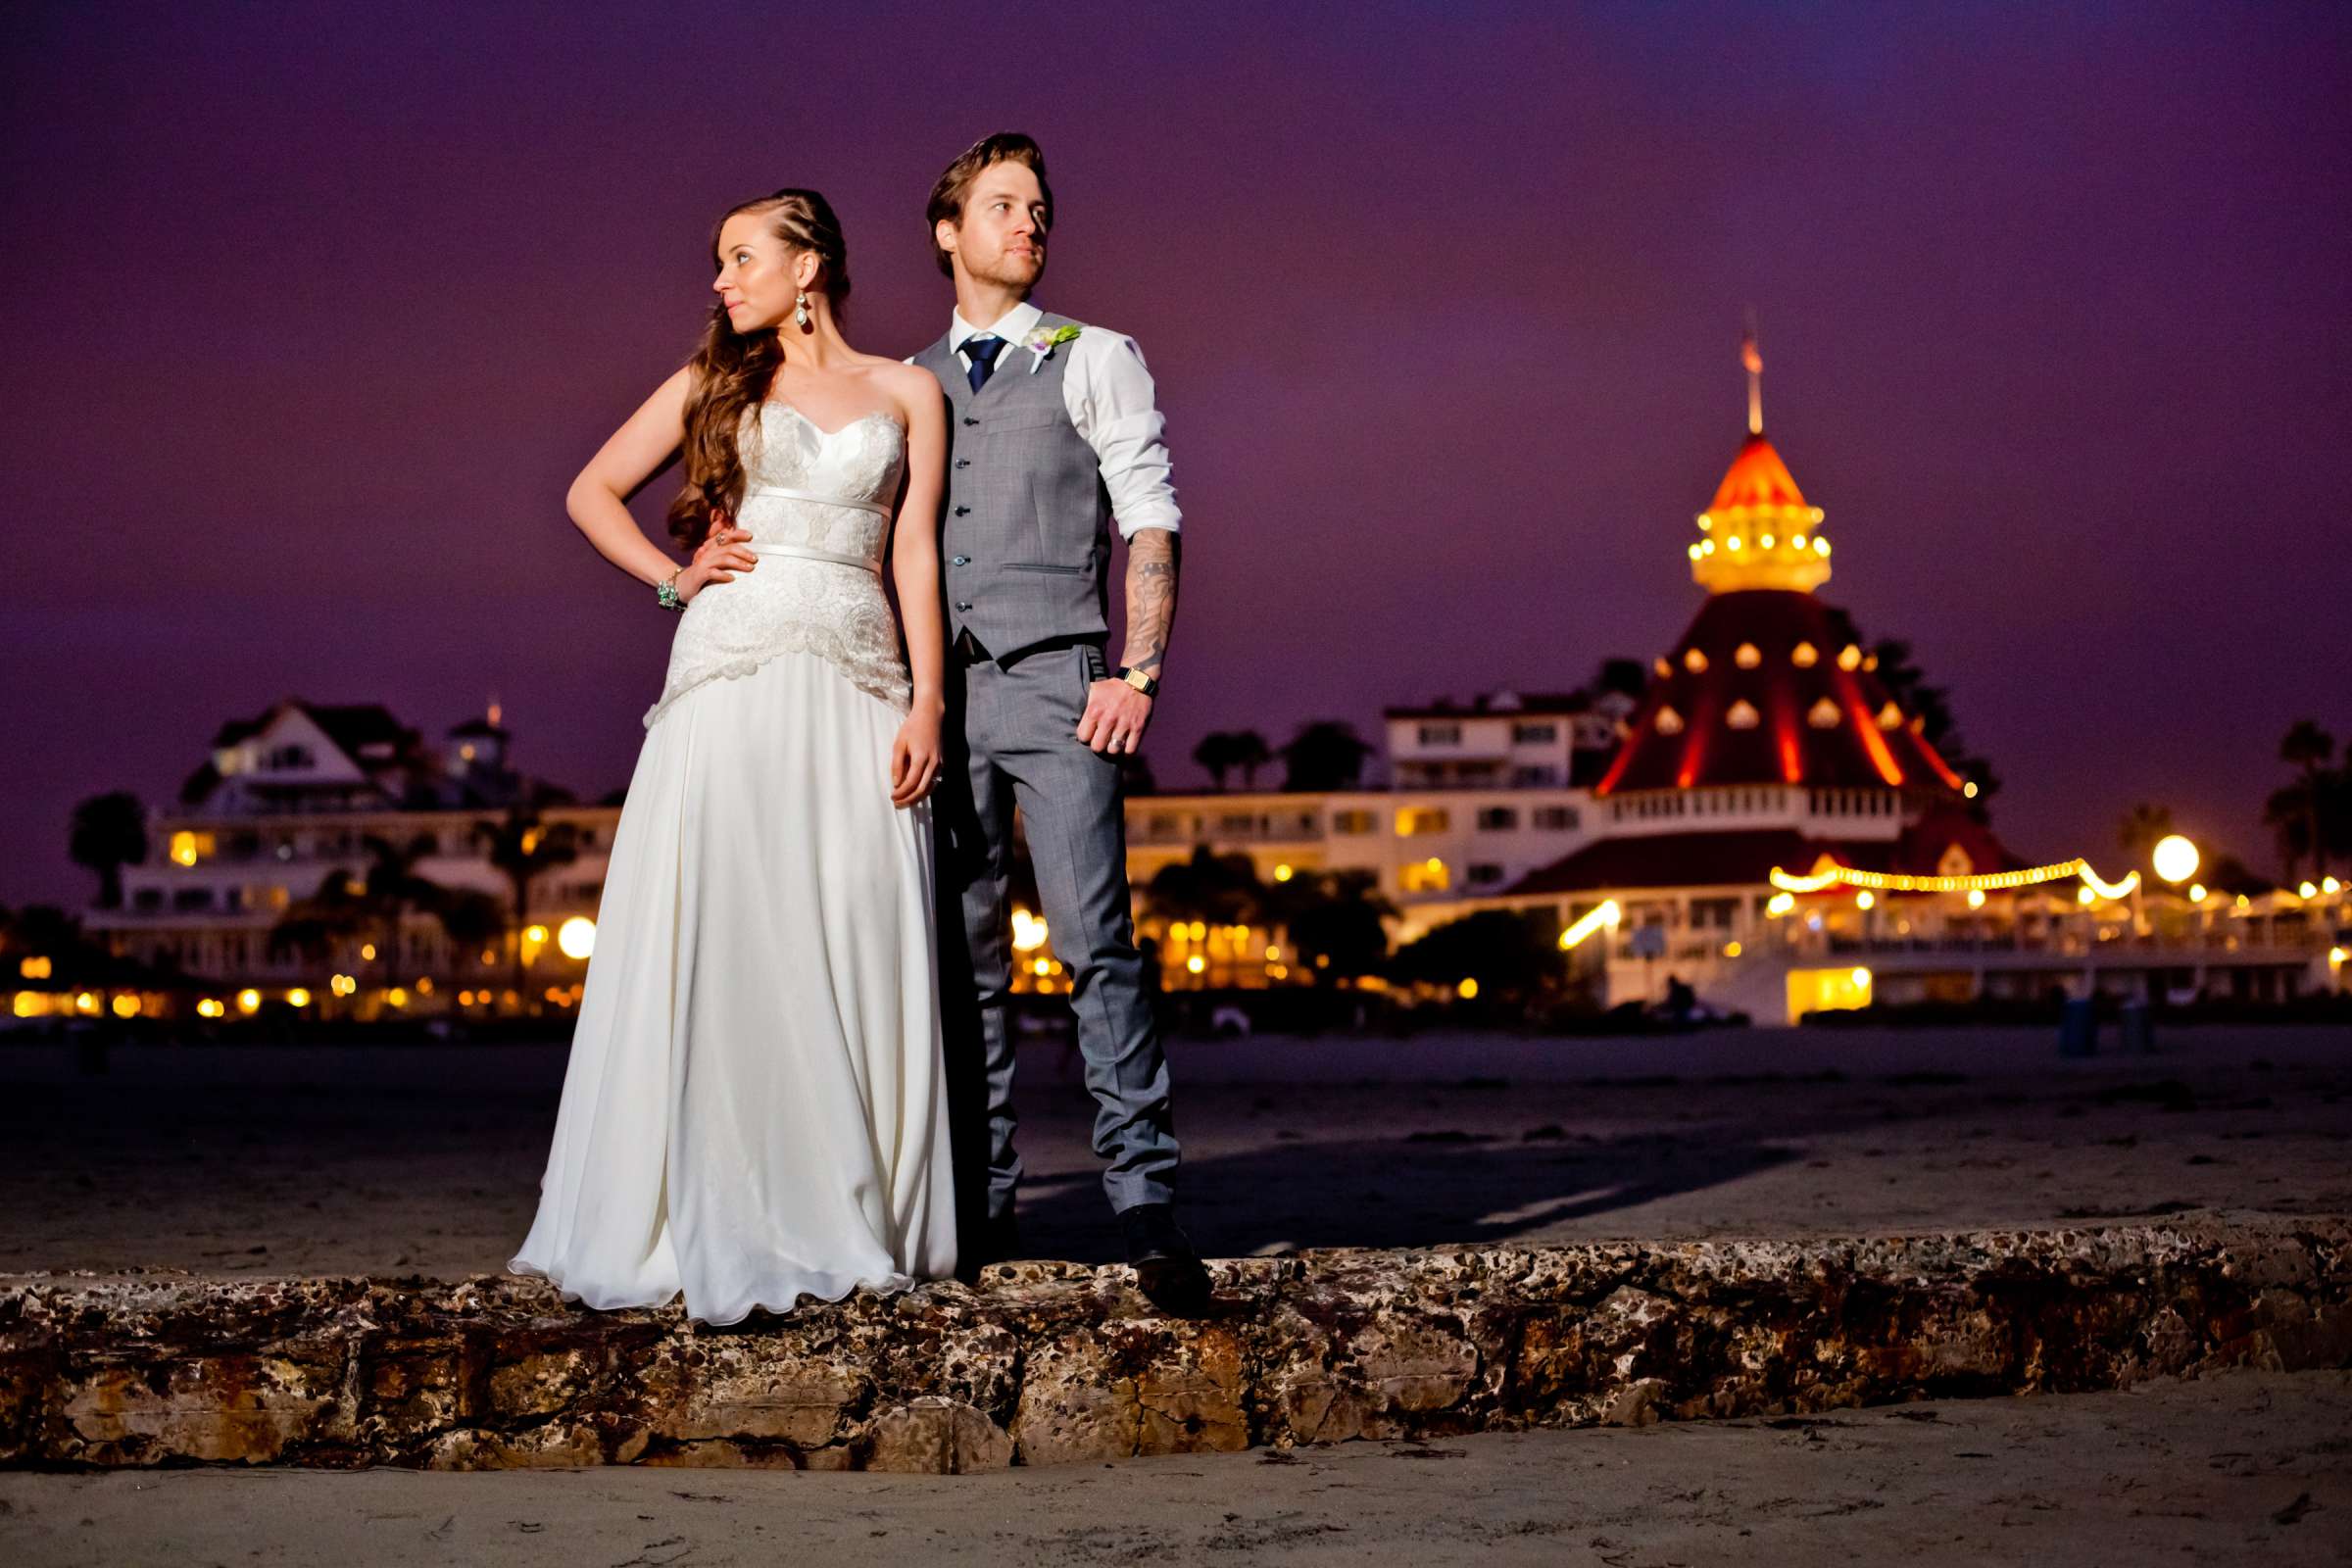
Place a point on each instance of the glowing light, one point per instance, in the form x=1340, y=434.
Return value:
x=424, y=985
x=299, y=997
x=1804, y=656
x=2175, y=858
x=2083, y=895
x=1780, y=903
x=1850, y=657
x=1910, y=882
x=1976, y=898
x=397, y=997
x=183, y=848
x=1283, y=873
x=1748, y=656
x=1694, y=660
x=1730, y=950
x=2307, y=890
x=1041, y=966
x=1273, y=955
x=1969, y=789
x=341, y=984
x=575, y=937
x=35, y=968
x=1592, y=920
x=1865, y=898
x=1467, y=990
x=368, y=952
x=249, y=1001
x=1029, y=932
x=210, y=1007
x=126, y=1007
x=1862, y=978
x=87, y=1002
x=2196, y=892
x=465, y=998
x=2335, y=958
x=2329, y=884
x=27, y=1003
x=1767, y=541
x=534, y=934
x=1196, y=963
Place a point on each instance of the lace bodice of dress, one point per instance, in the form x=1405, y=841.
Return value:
x=831, y=607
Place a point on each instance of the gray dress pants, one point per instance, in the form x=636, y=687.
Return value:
x=1011, y=736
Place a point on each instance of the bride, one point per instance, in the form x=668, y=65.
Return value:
x=753, y=1109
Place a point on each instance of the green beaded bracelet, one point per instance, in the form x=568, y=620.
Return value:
x=666, y=592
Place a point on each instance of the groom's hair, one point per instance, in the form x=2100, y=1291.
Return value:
x=947, y=197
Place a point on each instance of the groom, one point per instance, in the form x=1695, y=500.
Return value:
x=1051, y=435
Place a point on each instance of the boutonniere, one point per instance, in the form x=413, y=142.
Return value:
x=1043, y=341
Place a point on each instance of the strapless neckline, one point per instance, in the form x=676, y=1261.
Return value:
x=871, y=413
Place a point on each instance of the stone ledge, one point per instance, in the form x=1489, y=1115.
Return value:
x=1048, y=1363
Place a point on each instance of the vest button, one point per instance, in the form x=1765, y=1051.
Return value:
x=962, y=510
x=960, y=560
x=968, y=419
x=963, y=604
x=964, y=463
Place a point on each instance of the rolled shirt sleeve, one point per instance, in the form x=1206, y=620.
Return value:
x=1111, y=404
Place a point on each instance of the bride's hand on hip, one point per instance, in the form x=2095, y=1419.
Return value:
x=915, y=757
x=716, y=559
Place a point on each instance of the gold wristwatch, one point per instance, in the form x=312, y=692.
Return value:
x=1137, y=679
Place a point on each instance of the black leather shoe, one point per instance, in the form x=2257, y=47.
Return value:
x=1166, y=1268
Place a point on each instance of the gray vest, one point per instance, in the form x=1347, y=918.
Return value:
x=1025, y=545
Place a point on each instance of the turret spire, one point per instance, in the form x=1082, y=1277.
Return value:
x=1753, y=357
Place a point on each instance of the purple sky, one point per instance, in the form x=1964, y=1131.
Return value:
x=313, y=313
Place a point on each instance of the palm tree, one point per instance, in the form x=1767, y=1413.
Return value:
x=522, y=845
x=1248, y=753
x=1326, y=754
x=2309, y=749
x=1333, y=922
x=349, y=912
x=2139, y=830
x=1218, y=889
x=1216, y=755
x=109, y=833
x=1507, y=951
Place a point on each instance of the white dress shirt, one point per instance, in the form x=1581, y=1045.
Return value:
x=1108, y=393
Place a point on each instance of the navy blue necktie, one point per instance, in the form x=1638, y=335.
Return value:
x=982, y=352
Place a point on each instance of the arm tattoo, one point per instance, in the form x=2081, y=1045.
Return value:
x=1152, y=559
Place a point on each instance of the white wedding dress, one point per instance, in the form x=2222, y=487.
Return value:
x=753, y=1109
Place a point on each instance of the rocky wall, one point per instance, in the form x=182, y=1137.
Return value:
x=1049, y=1363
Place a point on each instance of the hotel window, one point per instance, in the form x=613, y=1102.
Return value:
x=1441, y=734
x=1496, y=819
x=281, y=757
x=147, y=899
x=1353, y=821
x=1425, y=877
x=1483, y=875
x=1238, y=824
x=1713, y=912
x=1535, y=734
x=1411, y=824
x=1542, y=776
x=192, y=899
x=1555, y=818
x=1162, y=824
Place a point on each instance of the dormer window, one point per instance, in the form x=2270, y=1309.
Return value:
x=1741, y=715
x=1823, y=715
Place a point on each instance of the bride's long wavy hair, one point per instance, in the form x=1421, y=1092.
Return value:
x=732, y=370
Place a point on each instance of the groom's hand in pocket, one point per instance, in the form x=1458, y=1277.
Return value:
x=1115, y=718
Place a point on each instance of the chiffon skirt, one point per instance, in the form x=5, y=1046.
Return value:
x=754, y=1108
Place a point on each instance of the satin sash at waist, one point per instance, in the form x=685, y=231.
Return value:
x=812, y=553
x=875, y=507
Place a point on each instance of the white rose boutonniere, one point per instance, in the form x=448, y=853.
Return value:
x=1041, y=343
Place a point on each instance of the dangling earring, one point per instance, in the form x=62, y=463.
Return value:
x=800, y=311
